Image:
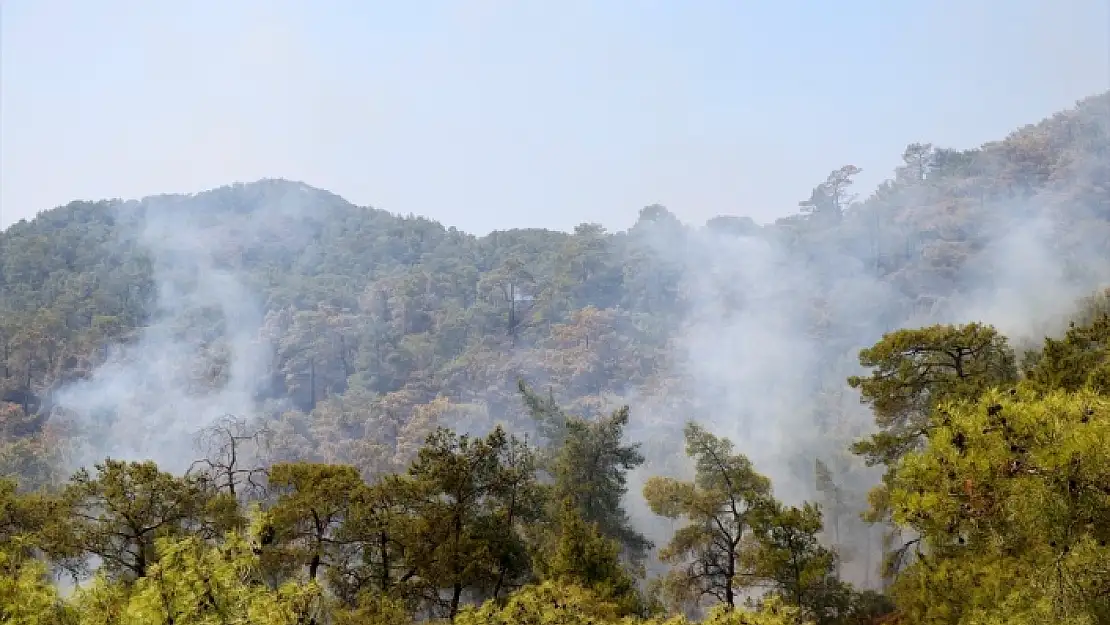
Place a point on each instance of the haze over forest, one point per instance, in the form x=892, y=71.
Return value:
x=321, y=360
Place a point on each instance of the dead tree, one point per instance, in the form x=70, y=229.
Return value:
x=231, y=451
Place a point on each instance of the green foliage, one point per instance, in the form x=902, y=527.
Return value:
x=118, y=514
x=196, y=584
x=720, y=506
x=26, y=595
x=583, y=557
x=738, y=539
x=557, y=604
x=788, y=558
x=23, y=514
x=589, y=463
x=376, y=609
x=375, y=536
x=916, y=370
x=313, y=501
x=465, y=534
x=769, y=612
x=1076, y=361
x=544, y=604
x=1010, y=500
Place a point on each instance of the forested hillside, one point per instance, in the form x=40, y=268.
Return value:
x=266, y=403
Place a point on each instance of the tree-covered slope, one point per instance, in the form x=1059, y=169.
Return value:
x=276, y=297
x=349, y=335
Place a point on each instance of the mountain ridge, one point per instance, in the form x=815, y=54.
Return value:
x=1080, y=114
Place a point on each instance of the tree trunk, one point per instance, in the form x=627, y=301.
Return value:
x=456, y=596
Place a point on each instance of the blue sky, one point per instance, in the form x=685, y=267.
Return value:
x=491, y=114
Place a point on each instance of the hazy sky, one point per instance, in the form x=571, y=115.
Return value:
x=493, y=114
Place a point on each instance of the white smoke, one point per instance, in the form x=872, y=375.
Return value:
x=199, y=358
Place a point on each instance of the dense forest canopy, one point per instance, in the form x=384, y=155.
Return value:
x=266, y=402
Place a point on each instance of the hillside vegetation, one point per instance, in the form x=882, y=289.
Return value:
x=264, y=404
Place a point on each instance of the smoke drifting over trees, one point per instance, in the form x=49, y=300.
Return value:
x=332, y=341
